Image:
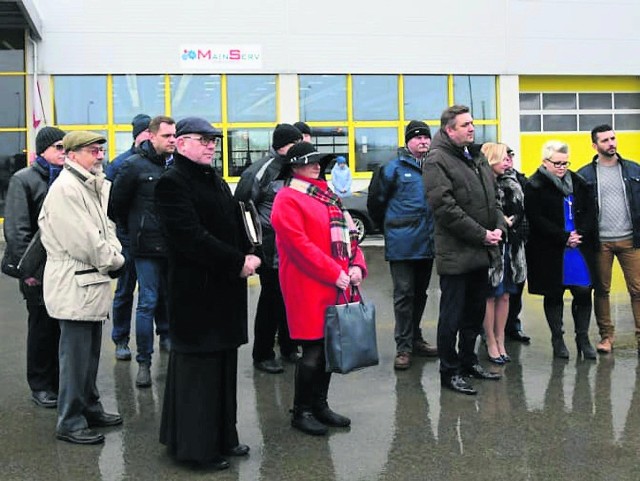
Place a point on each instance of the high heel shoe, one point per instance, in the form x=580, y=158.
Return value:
x=505, y=357
x=497, y=360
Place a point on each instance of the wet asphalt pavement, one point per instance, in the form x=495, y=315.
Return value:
x=545, y=420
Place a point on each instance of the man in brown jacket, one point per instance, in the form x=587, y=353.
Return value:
x=469, y=225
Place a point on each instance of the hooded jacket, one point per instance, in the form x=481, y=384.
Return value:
x=462, y=194
x=81, y=246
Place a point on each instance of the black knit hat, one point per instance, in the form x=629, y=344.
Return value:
x=303, y=128
x=140, y=123
x=415, y=128
x=47, y=137
x=285, y=134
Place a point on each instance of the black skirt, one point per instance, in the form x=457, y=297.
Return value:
x=200, y=406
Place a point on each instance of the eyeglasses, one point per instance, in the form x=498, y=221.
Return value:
x=558, y=163
x=204, y=140
x=95, y=151
x=58, y=147
x=511, y=153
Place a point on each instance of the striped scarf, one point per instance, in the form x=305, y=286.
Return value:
x=344, y=235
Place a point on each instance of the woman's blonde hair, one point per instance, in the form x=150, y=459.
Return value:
x=494, y=153
x=553, y=146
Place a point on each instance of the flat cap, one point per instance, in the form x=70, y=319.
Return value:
x=196, y=125
x=79, y=138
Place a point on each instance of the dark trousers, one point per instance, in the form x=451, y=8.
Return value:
x=43, y=338
x=514, y=324
x=271, y=318
x=462, y=308
x=78, y=397
x=123, y=297
x=410, y=283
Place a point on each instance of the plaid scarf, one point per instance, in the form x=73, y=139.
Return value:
x=344, y=235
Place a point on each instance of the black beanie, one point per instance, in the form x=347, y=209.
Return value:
x=303, y=128
x=47, y=137
x=285, y=134
x=415, y=128
x=140, y=123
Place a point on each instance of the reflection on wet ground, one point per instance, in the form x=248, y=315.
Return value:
x=547, y=419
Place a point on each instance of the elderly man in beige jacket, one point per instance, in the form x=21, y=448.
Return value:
x=83, y=255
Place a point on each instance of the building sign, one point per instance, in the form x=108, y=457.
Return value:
x=216, y=57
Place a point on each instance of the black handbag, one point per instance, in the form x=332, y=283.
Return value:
x=350, y=341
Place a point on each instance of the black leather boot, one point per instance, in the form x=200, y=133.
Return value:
x=303, y=418
x=581, y=318
x=321, y=409
x=553, y=313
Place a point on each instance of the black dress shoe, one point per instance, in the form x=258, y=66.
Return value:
x=272, y=366
x=458, y=384
x=217, y=464
x=45, y=399
x=331, y=418
x=81, y=436
x=306, y=422
x=239, y=450
x=480, y=372
x=519, y=336
x=103, y=420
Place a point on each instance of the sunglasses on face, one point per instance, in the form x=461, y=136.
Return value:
x=58, y=147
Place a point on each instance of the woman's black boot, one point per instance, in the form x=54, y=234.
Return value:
x=303, y=418
x=321, y=409
x=581, y=318
x=553, y=313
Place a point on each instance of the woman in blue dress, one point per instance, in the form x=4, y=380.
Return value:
x=562, y=245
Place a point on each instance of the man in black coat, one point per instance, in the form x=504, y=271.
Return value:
x=132, y=205
x=27, y=190
x=208, y=266
x=469, y=225
x=257, y=184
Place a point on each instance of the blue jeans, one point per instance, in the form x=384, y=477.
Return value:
x=152, y=302
x=123, y=298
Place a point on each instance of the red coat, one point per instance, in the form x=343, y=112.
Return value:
x=307, y=270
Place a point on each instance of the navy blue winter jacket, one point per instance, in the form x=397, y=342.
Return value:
x=631, y=178
x=408, y=220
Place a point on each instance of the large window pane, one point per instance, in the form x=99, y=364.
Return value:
x=246, y=146
x=374, y=147
x=486, y=133
x=12, y=159
x=12, y=51
x=323, y=97
x=197, y=95
x=559, y=101
x=375, y=97
x=478, y=92
x=529, y=101
x=425, y=96
x=627, y=101
x=12, y=103
x=80, y=100
x=587, y=122
x=530, y=123
x=251, y=98
x=627, y=121
x=137, y=94
x=560, y=123
x=124, y=140
x=594, y=101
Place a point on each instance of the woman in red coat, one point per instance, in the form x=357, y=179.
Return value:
x=319, y=255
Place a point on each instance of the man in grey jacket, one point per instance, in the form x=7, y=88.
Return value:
x=469, y=225
x=83, y=254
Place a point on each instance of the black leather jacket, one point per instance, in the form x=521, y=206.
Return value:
x=258, y=183
x=132, y=203
x=27, y=190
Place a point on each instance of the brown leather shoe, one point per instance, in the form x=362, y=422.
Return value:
x=423, y=349
x=402, y=361
x=605, y=346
